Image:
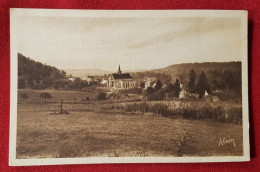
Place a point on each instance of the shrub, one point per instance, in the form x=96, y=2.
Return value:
x=101, y=96
x=132, y=91
x=218, y=114
x=207, y=112
x=228, y=94
x=157, y=95
x=234, y=115
x=189, y=113
x=45, y=96
x=132, y=107
x=161, y=109
x=136, y=91
x=137, y=107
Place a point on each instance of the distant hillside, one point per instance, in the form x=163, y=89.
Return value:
x=97, y=72
x=221, y=75
x=84, y=72
x=180, y=70
x=137, y=70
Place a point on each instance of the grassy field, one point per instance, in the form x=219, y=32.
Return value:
x=88, y=131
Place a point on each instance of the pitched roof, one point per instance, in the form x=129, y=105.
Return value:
x=121, y=76
x=92, y=77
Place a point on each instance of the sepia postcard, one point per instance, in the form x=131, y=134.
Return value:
x=128, y=86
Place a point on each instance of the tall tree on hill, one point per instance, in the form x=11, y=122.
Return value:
x=192, y=79
x=203, y=85
x=158, y=85
x=177, y=88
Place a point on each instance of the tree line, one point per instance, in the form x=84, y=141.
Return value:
x=230, y=80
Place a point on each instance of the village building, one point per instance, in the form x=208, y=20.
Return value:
x=71, y=79
x=90, y=78
x=119, y=80
x=104, y=82
x=149, y=82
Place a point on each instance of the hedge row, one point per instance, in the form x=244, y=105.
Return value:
x=210, y=113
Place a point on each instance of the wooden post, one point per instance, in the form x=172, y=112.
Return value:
x=61, y=103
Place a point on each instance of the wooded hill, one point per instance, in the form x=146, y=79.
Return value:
x=220, y=75
x=36, y=75
x=182, y=70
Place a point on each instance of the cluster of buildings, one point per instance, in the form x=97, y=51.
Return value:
x=117, y=81
x=114, y=81
x=120, y=81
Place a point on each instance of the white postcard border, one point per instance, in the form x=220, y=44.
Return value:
x=122, y=13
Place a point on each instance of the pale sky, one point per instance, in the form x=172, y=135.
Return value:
x=134, y=43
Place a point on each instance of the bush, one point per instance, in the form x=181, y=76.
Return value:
x=189, y=113
x=132, y=91
x=141, y=107
x=157, y=95
x=161, y=109
x=45, y=96
x=218, y=114
x=101, y=96
x=132, y=108
x=234, y=115
x=228, y=94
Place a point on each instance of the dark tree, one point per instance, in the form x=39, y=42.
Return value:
x=230, y=80
x=142, y=84
x=191, y=83
x=63, y=74
x=46, y=82
x=158, y=95
x=203, y=85
x=149, y=91
x=158, y=85
x=45, y=96
x=31, y=83
x=215, y=85
x=78, y=83
x=101, y=96
x=177, y=88
x=169, y=87
x=21, y=83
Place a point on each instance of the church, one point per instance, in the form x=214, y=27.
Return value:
x=119, y=80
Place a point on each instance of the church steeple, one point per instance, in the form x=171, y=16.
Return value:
x=119, y=70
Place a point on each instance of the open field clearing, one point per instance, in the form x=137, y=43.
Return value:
x=113, y=128
x=85, y=134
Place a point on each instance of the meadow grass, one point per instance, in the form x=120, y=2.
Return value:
x=106, y=129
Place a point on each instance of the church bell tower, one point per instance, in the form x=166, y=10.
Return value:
x=119, y=70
